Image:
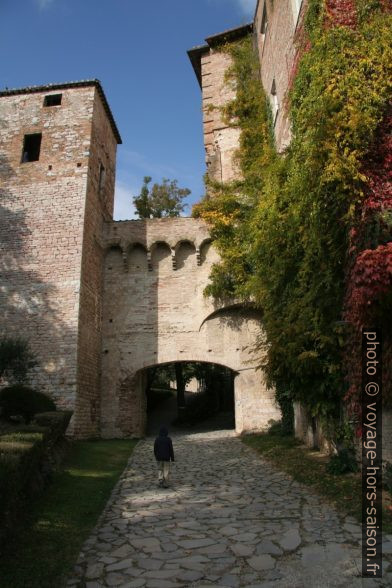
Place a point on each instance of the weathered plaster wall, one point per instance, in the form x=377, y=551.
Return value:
x=159, y=315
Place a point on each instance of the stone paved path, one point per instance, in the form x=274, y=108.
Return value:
x=229, y=520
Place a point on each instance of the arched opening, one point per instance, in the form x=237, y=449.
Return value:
x=137, y=258
x=189, y=395
x=205, y=250
x=185, y=255
x=113, y=259
x=161, y=256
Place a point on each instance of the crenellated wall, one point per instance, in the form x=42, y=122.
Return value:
x=154, y=312
x=98, y=300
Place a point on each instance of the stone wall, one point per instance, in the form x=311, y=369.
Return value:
x=155, y=312
x=98, y=209
x=50, y=225
x=220, y=140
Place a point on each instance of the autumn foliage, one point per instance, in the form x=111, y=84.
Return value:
x=308, y=235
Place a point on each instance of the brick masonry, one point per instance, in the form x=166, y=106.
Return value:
x=154, y=312
x=99, y=300
x=50, y=229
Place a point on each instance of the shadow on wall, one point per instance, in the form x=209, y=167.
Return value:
x=30, y=306
x=185, y=250
x=234, y=315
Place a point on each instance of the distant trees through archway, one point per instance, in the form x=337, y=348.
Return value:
x=190, y=394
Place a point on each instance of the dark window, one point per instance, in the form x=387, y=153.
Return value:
x=31, y=147
x=274, y=102
x=101, y=177
x=53, y=100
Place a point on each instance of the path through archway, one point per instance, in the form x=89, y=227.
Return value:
x=189, y=395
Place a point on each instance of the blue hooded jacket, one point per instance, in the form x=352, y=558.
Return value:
x=163, y=446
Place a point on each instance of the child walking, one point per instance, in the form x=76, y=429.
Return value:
x=164, y=454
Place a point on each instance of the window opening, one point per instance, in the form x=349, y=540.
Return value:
x=53, y=100
x=274, y=102
x=101, y=181
x=31, y=147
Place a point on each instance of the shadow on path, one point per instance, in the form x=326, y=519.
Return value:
x=229, y=519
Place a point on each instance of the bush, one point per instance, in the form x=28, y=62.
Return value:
x=284, y=399
x=277, y=428
x=56, y=423
x=23, y=401
x=16, y=359
x=28, y=457
x=342, y=463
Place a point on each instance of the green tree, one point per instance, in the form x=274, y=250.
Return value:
x=162, y=200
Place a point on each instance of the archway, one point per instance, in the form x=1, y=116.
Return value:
x=154, y=312
x=190, y=395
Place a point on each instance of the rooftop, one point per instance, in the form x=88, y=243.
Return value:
x=67, y=85
x=212, y=41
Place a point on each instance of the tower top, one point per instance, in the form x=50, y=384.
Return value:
x=69, y=85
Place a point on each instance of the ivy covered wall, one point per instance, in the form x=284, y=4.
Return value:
x=307, y=235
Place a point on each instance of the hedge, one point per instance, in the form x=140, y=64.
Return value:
x=27, y=459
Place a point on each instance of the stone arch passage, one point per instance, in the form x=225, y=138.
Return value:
x=185, y=395
x=156, y=313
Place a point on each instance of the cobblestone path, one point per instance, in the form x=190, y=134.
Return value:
x=229, y=520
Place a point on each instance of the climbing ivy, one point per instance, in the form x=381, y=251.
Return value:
x=288, y=231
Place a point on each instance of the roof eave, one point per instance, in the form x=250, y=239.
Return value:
x=196, y=53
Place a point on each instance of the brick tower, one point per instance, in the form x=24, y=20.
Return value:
x=57, y=170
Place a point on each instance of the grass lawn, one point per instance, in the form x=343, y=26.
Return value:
x=309, y=468
x=45, y=551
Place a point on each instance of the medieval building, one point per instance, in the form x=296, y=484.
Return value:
x=101, y=301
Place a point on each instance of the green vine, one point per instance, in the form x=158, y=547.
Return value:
x=283, y=230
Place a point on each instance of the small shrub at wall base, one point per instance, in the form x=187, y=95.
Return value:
x=19, y=400
x=16, y=359
x=28, y=457
x=276, y=428
x=342, y=463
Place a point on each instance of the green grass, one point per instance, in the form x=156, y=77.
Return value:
x=44, y=552
x=309, y=468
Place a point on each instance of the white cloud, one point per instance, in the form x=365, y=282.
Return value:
x=42, y=4
x=123, y=205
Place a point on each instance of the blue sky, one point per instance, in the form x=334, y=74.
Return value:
x=138, y=51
